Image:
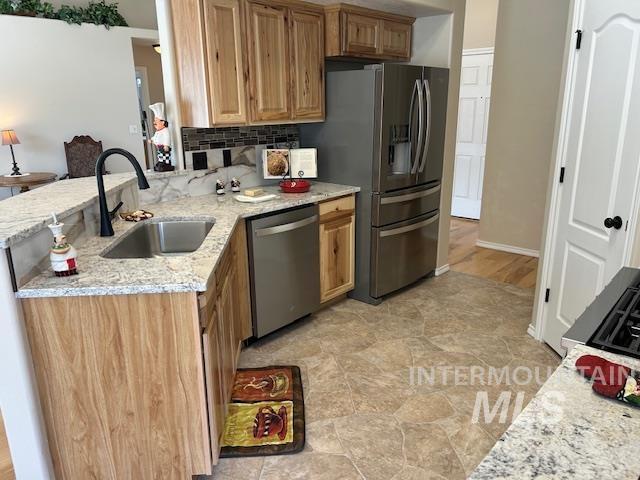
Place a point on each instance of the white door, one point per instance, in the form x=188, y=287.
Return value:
x=601, y=159
x=473, y=115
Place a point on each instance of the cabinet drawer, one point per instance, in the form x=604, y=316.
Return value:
x=332, y=209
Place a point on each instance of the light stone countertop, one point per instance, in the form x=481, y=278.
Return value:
x=23, y=215
x=567, y=432
x=182, y=273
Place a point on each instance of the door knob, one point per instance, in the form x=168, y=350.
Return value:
x=615, y=222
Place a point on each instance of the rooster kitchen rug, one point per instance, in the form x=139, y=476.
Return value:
x=266, y=413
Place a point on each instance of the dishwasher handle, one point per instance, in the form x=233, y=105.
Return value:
x=287, y=227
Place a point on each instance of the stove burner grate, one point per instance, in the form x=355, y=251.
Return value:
x=620, y=331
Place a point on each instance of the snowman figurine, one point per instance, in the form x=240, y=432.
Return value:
x=220, y=186
x=235, y=185
x=63, y=256
x=161, y=139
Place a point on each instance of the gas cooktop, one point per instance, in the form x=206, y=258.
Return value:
x=612, y=321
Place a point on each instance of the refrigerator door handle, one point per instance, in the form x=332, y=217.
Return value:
x=409, y=228
x=427, y=93
x=421, y=130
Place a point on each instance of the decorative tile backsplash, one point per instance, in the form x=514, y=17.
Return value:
x=214, y=138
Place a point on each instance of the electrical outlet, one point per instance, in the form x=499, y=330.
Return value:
x=133, y=129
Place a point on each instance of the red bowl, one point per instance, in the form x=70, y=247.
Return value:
x=295, y=186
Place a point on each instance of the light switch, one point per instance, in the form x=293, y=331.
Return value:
x=133, y=129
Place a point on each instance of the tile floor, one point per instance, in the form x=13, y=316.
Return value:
x=365, y=418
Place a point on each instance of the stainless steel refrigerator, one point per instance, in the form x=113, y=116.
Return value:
x=384, y=131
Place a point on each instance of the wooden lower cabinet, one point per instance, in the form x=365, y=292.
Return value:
x=137, y=386
x=121, y=385
x=337, y=247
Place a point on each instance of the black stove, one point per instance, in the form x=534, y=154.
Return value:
x=620, y=331
x=612, y=321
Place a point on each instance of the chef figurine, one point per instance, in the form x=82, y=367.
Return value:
x=161, y=139
x=62, y=254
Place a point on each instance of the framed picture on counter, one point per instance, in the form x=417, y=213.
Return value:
x=278, y=163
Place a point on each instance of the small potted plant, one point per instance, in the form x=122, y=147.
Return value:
x=6, y=7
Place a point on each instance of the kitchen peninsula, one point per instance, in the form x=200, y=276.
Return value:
x=134, y=358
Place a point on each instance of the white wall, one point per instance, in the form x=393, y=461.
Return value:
x=480, y=23
x=432, y=41
x=61, y=80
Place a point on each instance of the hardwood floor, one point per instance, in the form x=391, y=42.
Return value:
x=466, y=257
x=6, y=467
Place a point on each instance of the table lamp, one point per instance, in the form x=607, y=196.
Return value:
x=10, y=138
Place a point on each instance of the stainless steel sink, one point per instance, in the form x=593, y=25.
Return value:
x=153, y=238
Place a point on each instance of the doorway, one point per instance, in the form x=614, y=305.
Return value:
x=471, y=144
x=594, y=204
x=149, y=86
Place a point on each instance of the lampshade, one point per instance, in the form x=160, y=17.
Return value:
x=156, y=47
x=9, y=137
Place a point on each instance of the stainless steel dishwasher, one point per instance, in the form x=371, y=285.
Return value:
x=284, y=258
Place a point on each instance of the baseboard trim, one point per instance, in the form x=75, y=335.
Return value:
x=531, y=330
x=508, y=248
x=442, y=270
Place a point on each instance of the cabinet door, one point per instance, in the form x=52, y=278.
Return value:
x=216, y=393
x=306, y=43
x=243, y=324
x=227, y=336
x=268, y=62
x=361, y=34
x=191, y=76
x=337, y=244
x=225, y=57
x=396, y=39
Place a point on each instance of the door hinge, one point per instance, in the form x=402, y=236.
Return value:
x=546, y=296
x=561, y=174
x=578, y=39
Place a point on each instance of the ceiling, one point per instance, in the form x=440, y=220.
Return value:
x=412, y=8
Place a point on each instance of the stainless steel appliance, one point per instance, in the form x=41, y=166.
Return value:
x=612, y=321
x=384, y=131
x=284, y=254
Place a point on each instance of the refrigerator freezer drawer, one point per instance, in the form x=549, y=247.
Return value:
x=409, y=203
x=403, y=253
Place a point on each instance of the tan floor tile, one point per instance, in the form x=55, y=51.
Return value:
x=321, y=437
x=424, y=409
x=309, y=466
x=374, y=443
x=428, y=447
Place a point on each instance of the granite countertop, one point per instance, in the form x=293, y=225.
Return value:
x=183, y=273
x=567, y=431
x=25, y=214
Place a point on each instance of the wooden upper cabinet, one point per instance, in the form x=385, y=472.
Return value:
x=396, y=39
x=361, y=34
x=268, y=62
x=190, y=62
x=226, y=62
x=353, y=31
x=306, y=44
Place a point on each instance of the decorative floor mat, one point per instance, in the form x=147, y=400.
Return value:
x=266, y=413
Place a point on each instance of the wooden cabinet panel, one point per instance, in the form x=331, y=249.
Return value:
x=191, y=70
x=226, y=61
x=337, y=247
x=354, y=31
x=228, y=345
x=243, y=323
x=396, y=39
x=216, y=395
x=361, y=34
x=336, y=257
x=268, y=62
x=121, y=385
x=306, y=43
